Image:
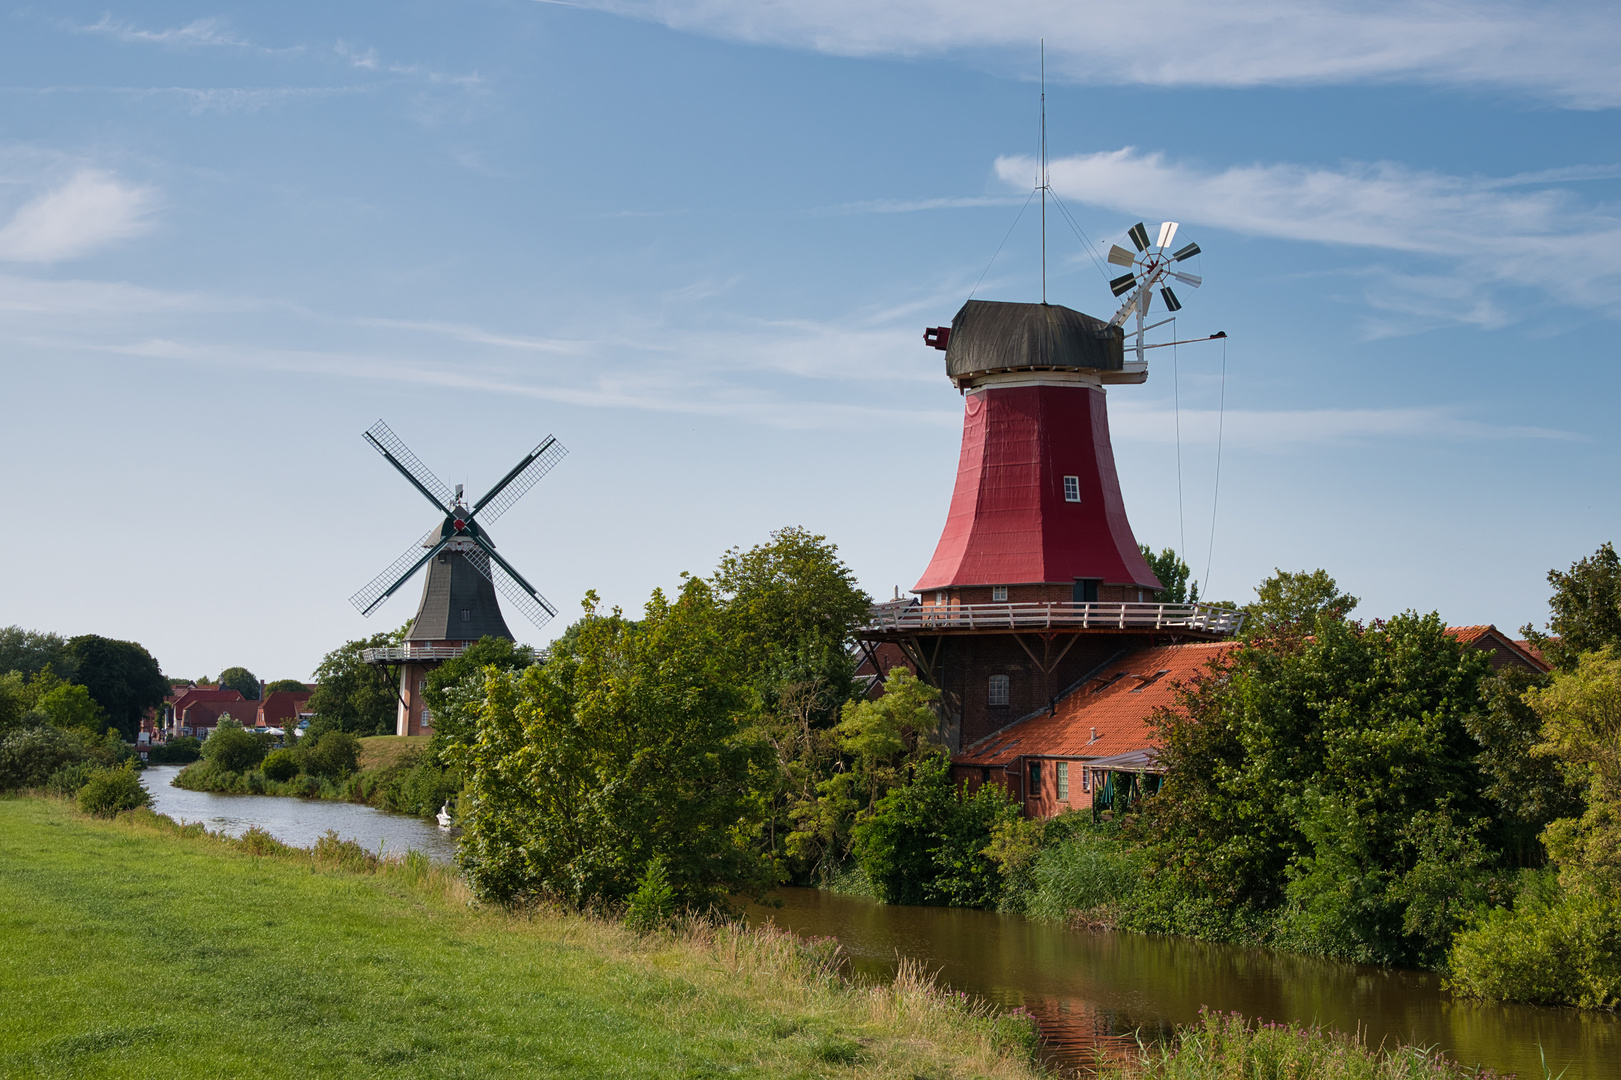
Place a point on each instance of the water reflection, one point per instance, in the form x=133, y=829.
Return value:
x=299, y=822
x=1091, y=991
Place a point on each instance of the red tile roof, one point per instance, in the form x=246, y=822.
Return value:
x=281, y=706
x=1504, y=649
x=1107, y=716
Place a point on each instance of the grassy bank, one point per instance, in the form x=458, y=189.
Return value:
x=136, y=948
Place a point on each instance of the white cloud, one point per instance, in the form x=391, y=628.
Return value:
x=91, y=210
x=206, y=33
x=1486, y=229
x=1560, y=51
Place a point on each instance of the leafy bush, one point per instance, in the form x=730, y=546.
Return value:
x=109, y=791
x=28, y=757
x=924, y=843
x=653, y=903
x=333, y=755
x=282, y=765
x=1552, y=948
x=234, y=749
x=179, y=751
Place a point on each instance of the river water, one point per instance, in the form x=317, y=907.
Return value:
x=299, y=822
x=1093, y=991
x=1088, y=991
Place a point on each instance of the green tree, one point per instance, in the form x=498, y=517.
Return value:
x=790, y=606
x=242, y=681
x=1173, y=575
x=1530, y=790
x=626, y=745
x=1581, y=726
x=15, y=701
x=1296, y=767
x=121, y=676
x=71, y=706
x=232, y=748
x=31, y=651
x=357, y=697
x=1585, y=607
x=1288, y=603
x=452, y=723
x=876, y=744
x=285, y=684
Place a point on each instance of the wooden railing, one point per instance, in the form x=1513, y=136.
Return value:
x=1053, y=616
x=398, y=654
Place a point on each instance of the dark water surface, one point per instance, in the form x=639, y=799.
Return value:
x=299, y=822
x=1093, y=990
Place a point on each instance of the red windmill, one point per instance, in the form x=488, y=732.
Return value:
x=1037, y=580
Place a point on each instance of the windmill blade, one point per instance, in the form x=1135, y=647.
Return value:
x=399, y=455
x=399, y=571
x=1139, y=236
x=535, y=607
x=1170, y=299
x=1120, y=256
x=1186, y=253
x=1167, y=233
x=524, y=475
x=1191, y=280
x=1123, y=284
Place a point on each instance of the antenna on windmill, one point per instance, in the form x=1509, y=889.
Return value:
x=1148, y=267
x=1044, y=180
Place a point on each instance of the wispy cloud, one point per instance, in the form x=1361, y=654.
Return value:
x=1562, y=52
x=199, y=33
x=1482, y=229
x=89, y=211
x=910, y=206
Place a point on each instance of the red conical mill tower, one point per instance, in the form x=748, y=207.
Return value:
x=1037, y=509
x=1037, y=582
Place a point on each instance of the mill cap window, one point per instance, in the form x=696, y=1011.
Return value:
x=999, y=594
x=467, y=614
x=1072, y=489
x=998, y=690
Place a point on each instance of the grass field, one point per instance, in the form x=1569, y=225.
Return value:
x=132, y=948
x=376, y=751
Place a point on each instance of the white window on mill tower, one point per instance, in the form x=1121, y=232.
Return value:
x=999, y=594
x=998, y=690
x=1072, y=489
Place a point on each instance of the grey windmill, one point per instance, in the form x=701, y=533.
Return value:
x=465, y=571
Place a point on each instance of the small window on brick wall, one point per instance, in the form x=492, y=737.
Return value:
x=1072, y=489
x=1062, y=776
x=998, y=690
x=1035, y=780
x=999, y=594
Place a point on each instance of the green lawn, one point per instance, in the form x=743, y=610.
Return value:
x=377, y=751
x=128, y=949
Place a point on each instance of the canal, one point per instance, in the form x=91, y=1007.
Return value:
x=1088, y=991
x=299, y=822
x=1094, y=991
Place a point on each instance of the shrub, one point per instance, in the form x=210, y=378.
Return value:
x=70, y=778
x=653, y=903
x=1552, y=948
x=334, y=755
x=181, y=751
x=30, y=756
x=281, y=765
x=233, y=748
x=110, y=790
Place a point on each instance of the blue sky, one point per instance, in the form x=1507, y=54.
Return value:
x=699, y=242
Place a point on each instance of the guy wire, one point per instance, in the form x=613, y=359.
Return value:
x=1221, y=418
x=1003, y=244
x=1176, y=399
